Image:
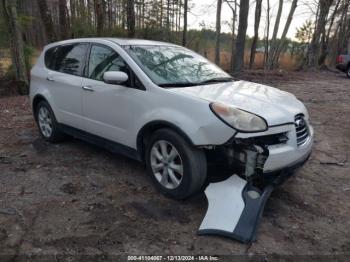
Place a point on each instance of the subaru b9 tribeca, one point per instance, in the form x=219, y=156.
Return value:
x=169, y=107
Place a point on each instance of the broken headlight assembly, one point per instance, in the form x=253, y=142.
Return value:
x=239, y=119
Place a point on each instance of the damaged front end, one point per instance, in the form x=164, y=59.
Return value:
x=246, y=157
x=236, y=204
x=251, y=157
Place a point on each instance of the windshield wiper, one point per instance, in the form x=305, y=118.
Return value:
x=217, y=80
x=186, y=84
x=179, y=84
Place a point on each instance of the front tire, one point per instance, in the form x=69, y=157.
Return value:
x=177, y=168
x=47, y=124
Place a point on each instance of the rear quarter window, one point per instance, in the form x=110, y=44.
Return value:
x=68, y=59
x=71, y=59
x=50, y=57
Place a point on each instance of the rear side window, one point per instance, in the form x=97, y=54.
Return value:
x=50, y=57
x=71, y=59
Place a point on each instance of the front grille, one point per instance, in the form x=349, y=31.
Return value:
x=301, y=129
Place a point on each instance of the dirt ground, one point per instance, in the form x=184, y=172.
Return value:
x=75, y=199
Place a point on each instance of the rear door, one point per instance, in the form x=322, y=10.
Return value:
x=65, y=78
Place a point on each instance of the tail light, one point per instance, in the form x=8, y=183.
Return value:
x=339, y=59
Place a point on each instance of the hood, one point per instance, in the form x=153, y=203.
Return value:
x=275, y=106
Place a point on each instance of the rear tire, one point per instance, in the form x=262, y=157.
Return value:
x=177, y=168
x=47, y=123
x=348, y=72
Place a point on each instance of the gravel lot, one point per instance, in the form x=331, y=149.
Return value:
x=76, y=199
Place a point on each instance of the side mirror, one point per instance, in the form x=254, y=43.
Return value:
x=115, y=77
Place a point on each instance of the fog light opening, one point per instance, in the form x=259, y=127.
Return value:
x=253, y=194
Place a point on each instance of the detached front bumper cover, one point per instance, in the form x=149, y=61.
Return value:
x=235, y=206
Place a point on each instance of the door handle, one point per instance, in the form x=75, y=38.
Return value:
x=88, y=88
x=50, y=78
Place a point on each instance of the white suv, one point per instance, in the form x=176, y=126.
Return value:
x=167, y=106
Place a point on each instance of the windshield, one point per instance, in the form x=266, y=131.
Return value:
x=172, y=66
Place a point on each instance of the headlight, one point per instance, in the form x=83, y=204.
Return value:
x=239, y=119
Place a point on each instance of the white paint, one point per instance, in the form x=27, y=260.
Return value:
x=225, y=204
x=118, y=113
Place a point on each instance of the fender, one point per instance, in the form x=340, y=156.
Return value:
x=44, y=94
x=153, y=126
x=35, y=101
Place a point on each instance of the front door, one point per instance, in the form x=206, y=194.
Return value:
x=106, y=107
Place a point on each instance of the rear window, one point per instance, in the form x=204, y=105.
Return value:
x=68, y=59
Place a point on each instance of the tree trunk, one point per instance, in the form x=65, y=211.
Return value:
x=179, y=14
x=46, y=17
x=233, y=38
x=142, y=18
x=241, y=35
x=131, y=18
x=184, y=33
x=348, y=37
x=325, y=37
x=274, y=35
x=72, y=8
x=161, y=13
x=256, y=32
x=17, y=45
x=344, y=29
x=282, y=42
x=168, y=20
x=88, y=13
x=266, y=54
x=63, y=18
x=99, y=17
x=332, y=19
x=218, y=32
x=320, y=27
x=109, y=12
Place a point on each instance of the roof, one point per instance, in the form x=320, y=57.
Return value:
x=131, y=41
x=118, y=41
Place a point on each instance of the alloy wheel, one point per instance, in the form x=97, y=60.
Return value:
x=167, y=165
x=45, y=122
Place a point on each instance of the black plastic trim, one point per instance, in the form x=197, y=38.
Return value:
x=230, y=140
x=247, y=225
x=111, y=146
x=284, y=124
x=246, y=228
x=40, y=97
x=158, y=124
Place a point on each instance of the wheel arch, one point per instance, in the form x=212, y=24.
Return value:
x=36, y=100
x=153, y=126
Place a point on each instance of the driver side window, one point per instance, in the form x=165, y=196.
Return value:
x=104, y=59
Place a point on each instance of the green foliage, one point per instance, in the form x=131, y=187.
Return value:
x=304, y=33
x=25, y=20
x=28, y=55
